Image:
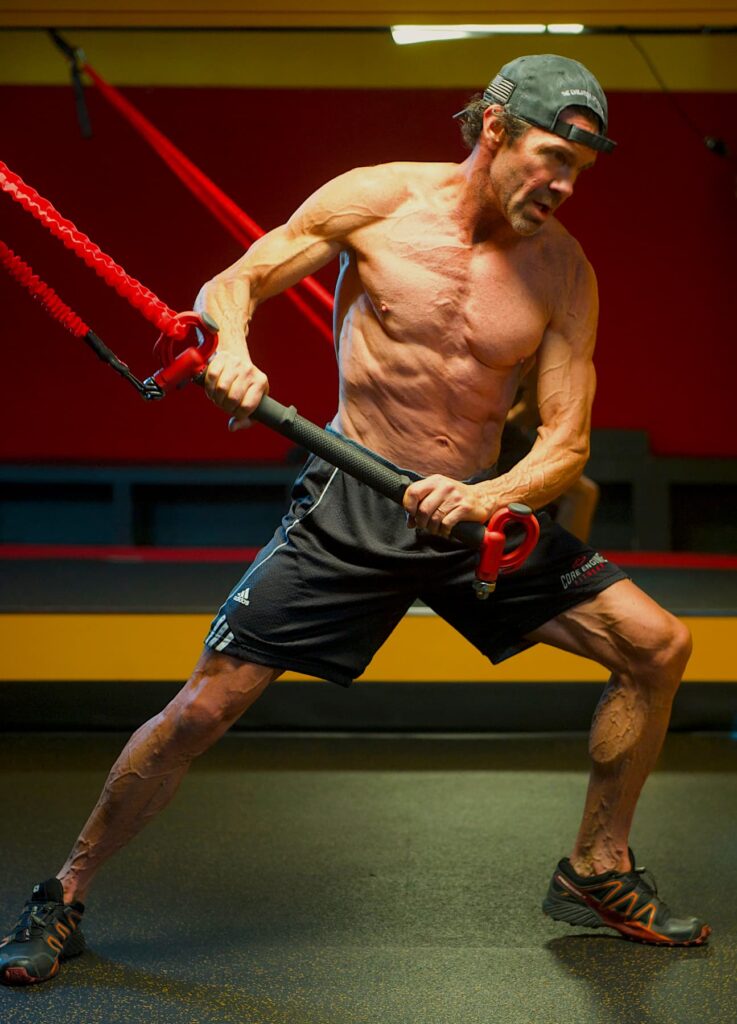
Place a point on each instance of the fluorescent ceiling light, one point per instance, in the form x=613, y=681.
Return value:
x=403, y=34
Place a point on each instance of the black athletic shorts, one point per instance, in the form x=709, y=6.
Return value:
x=343, y=568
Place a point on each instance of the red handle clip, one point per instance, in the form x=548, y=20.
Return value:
x=493, y=560
x=179, y=369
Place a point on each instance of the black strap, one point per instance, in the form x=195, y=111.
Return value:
x=75, y=56
x=575, y=134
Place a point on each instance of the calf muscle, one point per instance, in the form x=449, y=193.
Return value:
x=156, y=758
x=646, y=649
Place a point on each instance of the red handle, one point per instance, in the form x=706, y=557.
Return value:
x=493, y=559
x=179, y=369
x=515, y=514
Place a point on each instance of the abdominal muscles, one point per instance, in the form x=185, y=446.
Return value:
x=435, y=336
x=425, y=403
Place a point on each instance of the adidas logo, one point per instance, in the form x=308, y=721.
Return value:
x=242, y=597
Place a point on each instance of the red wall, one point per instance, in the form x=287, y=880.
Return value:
x=657, y=219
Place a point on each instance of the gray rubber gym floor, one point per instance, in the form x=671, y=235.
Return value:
x=398, y=879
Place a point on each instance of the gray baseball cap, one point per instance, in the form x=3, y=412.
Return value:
x=539, y=87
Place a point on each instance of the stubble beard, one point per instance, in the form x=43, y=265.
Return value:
x=520, y=222
x=516, y=212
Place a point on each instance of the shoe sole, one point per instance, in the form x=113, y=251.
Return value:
x=579, y=915
x=20, y=975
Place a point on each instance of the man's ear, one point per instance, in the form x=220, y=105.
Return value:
x=493, y=128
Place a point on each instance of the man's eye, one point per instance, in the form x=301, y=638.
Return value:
x=558, y=155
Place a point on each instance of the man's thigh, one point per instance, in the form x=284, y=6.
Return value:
x=560, y=574
x=614, y=628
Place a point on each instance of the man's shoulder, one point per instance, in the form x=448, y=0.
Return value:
x=559, y=236
x=354, y=199
x=364, y=196
x=571, y=277
x=397, y=181
x=565, y=250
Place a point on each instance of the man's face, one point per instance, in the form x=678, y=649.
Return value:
x=533, y=175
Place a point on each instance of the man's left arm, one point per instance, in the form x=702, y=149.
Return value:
x=565, y=392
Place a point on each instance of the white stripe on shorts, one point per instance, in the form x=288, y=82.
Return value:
x=220, y=636
x=257, y=565
x=217, y=630
x=225, y=642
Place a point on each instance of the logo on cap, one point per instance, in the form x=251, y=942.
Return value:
x=591, y=100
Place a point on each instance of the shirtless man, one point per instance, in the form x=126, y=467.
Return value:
x=453, y=277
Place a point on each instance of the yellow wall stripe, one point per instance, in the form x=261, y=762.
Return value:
x=361, y=12
x=359, y=60
x=423, y=648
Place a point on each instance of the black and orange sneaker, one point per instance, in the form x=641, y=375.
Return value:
x=627, y=901
x=46, y=933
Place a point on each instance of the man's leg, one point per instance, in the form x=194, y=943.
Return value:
x=140, y=784
x=156, y=758
x=646, y=649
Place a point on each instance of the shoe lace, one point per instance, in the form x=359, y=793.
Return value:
x=663, y=910
x=33, y=919
x=648, y=879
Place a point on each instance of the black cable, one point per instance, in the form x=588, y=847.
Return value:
x=713, y=143
x=75, y=56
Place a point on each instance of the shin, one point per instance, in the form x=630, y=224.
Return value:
x=627, y=733
x=150, y=768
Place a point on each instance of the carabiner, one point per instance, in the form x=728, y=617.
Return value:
x=179, y=369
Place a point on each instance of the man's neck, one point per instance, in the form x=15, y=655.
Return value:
x=477, y=211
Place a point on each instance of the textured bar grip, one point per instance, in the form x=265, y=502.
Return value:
x=333, y=448
x=352, y=460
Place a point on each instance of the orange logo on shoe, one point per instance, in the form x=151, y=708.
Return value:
x=63, y=931
x=641, y=912
x=614, y=887
x=626, y=903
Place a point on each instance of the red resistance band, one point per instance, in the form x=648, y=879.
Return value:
x=176, y=369
x=48, y=298
x=155, y=311
x=224, y=209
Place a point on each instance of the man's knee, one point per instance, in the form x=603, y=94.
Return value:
x=217, y=693
x=666, y=654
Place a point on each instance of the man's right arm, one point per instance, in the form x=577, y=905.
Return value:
x=312, y=236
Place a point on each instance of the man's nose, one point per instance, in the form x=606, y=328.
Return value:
x=563, y=184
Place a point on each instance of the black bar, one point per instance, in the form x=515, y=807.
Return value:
x=352, y=460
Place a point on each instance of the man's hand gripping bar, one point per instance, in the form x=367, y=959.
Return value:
x=489, y=540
